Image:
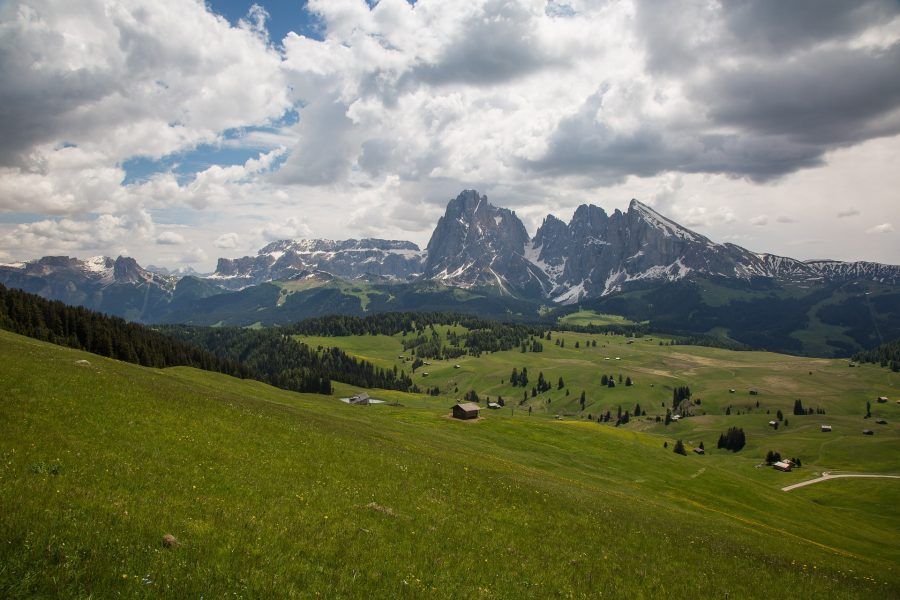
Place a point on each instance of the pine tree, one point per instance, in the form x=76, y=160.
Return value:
x=679, y=448
x=560, y=385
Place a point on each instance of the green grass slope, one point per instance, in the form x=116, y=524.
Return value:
x=277, y=494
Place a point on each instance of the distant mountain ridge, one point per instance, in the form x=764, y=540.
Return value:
x=348, y=259
x=481, y=260
x=596, y=254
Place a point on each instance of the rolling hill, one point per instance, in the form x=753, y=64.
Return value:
x=274, y=493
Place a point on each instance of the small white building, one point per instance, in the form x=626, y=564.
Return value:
x=826, y=428
x=783, y=465
x=493, y=405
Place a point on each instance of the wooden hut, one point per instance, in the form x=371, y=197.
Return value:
x=361, y=398
x=465, y=410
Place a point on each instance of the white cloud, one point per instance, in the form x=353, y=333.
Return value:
x=169, y=238
x=785, y=219
x=290, y=228
x=883, y=228
x=848, y=212
x=227, y=241
x=194, y=256
x=403, y=105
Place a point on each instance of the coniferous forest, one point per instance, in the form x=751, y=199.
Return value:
x=887, y=355
x=268, y=356
x=83, y=329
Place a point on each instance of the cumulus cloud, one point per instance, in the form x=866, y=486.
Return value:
x=194, y=256
x=290, y=228
x=169, y=238
x=707, y=110
x=848, y=212
x=227, y=241
x=883, y=228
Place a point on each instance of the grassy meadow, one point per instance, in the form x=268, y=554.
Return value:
x=277, y=494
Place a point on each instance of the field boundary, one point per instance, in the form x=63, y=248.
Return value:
x=827, y=476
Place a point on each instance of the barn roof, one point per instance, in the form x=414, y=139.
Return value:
x=468, y=406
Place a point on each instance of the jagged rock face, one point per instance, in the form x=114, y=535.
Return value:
x=350, y=259
x=476, y=243
x=596, y=254
x=120, y=287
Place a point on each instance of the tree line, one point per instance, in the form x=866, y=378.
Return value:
x=285, y=362
x=886, y=355
x=267, y=356
x=77, y=327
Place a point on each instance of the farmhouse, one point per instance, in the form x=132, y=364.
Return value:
x=362, y=399
x=699, y=451
x=493, y=405
x=868, y=432
x=783, y=465
x=826, y=428
x=467, y=410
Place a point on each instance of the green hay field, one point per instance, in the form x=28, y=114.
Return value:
x=278, y=494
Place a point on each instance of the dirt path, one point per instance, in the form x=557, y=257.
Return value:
x=827, y=476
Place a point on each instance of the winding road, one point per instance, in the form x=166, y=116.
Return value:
x=827, y=476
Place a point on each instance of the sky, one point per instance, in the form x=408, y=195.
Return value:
x=178, y=131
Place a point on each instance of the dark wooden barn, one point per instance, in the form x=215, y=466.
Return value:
x=467, y=410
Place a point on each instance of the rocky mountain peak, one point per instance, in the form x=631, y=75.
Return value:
x=476, y=243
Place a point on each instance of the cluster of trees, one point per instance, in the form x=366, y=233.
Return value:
x=517, y=379
x=432, y=346
x=887, y=355
x=773, y=457
x=83, y=329
x=482, y=336
x=679, y=394
x=278, y=359
x=733, y=439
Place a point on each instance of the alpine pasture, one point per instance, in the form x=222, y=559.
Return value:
x=274, y=493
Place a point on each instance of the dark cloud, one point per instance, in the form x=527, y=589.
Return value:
x=323, y=152
x=828, y=97
x=37, y=100
x=584, y=145
x=759, y=114
x=776, y=27
x=492, y=47
x=680, y=35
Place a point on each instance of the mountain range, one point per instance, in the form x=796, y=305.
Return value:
x=481, y=258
